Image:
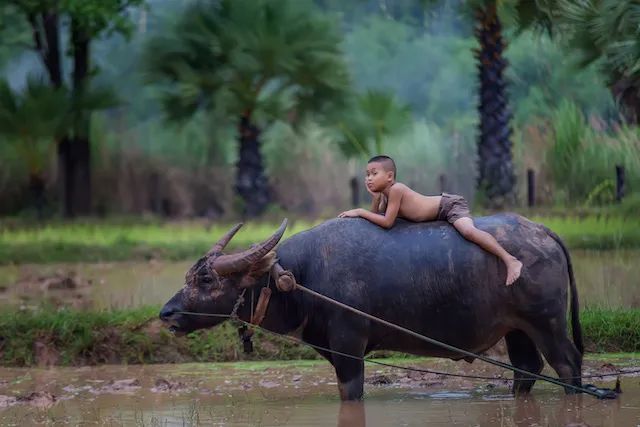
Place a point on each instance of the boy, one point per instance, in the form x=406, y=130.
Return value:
x=392, y=199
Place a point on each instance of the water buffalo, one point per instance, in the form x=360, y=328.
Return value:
x=423, y=276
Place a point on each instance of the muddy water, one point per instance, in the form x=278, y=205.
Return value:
x=605, y=279
x=296, y=394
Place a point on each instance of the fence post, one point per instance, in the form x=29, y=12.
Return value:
x=442, y=179
x=531, y=188
x=619, y=183
x=355, y=193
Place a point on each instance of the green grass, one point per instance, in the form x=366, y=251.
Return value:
x=72, y=338
x=100, y=241
x=94, y=241
x=611, y=330
x=595, y=232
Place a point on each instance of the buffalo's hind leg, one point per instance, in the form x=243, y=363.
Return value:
x=561, y=354
x=524, y=355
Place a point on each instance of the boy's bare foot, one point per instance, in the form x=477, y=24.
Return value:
x=513, y=271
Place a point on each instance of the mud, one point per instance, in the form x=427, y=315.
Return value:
x=301, y=393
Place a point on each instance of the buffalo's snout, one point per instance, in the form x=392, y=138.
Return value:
x=171, y=308
x=167, y=312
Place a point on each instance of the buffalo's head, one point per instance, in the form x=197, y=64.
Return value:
x=212, y=285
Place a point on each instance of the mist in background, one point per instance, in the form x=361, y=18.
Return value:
x=143, y=164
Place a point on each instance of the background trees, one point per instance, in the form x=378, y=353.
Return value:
x=252, y=62
x=398, y=54
x=83, y=22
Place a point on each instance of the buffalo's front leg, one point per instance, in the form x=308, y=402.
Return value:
x=350, y=340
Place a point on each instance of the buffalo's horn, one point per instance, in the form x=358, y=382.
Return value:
x=226, y=264
x=224, y=240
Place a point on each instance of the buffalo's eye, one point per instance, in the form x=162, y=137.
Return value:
x=206, y=280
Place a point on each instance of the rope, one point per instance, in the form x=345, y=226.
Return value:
x=391, y=365
x=416, y=335
x=450, y=347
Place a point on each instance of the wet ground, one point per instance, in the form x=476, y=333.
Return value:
x=300, y=394
x=605, y=279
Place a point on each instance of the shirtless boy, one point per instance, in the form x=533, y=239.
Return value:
x=393, y=199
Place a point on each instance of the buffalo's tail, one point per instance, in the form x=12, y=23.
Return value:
x=576, y=329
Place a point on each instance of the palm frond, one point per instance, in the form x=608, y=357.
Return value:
x=250, y=50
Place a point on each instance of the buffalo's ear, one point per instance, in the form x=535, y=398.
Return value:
x=258, y=269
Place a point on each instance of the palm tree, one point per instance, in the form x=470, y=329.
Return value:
x=37, y=119
x=608, y=30
x=34, y=119
x=251, y=61
x=374, y=116
x=496, y=180
x=364, y=126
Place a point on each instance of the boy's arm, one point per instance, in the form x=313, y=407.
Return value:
x=375, y=203
x=393, y=206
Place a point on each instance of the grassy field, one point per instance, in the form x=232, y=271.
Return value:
x=99, y=241
x=95, y=241
x=74, y=338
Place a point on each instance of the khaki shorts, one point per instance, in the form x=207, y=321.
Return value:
x=452, y=208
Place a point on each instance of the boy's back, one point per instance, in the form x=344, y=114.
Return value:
x=415, y=206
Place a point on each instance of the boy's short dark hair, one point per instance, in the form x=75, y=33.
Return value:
x=387, y=163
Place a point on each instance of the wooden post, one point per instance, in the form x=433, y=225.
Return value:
x=355, y=192
x=442, y=179
x=531, y=188
x=619, y=183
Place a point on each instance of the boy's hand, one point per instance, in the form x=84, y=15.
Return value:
x=373, y=193
x=353, y=213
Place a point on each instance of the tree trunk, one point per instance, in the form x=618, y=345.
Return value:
x=251, y=182
x=36, y=188
x=45, y=30
x=496, y=180
x=74, y=153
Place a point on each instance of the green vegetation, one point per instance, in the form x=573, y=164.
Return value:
x=141, y=164
x=92, y=242
x=611, y=330
x=249, y=63
x=95, y=241
x=134, y=336
x=69, y=337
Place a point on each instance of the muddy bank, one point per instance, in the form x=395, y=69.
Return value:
x=298, y=393
x=78, y=338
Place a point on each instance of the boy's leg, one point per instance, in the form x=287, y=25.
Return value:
x=487, y=242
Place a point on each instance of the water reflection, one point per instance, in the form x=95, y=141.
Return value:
x=550, y=410
x=351, y=414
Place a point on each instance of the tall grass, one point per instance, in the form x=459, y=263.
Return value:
x=582, y=160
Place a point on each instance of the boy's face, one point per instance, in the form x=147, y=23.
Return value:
x=377, y=177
